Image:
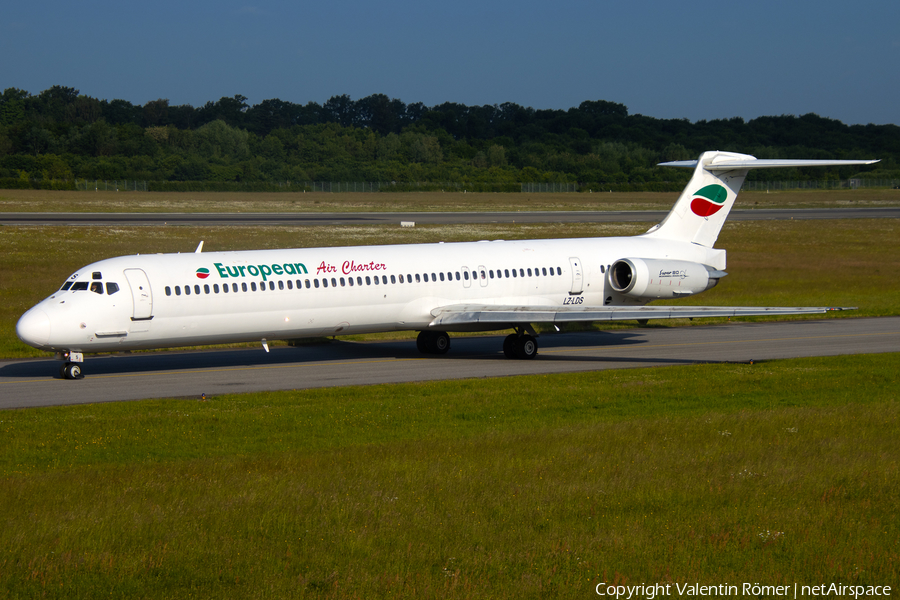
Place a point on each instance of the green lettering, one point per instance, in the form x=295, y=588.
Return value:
x=241, y=268
x=265, y=270
x=253, y=270
x=277, y=270
x=288, y=269
x=221, y=270
x=300, y=267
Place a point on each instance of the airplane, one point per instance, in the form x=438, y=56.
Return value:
x=199, y=298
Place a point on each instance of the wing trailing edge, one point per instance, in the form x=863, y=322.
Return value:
x=516, y=315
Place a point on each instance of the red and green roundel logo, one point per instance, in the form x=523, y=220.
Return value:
x=202, y=273
x=709, y=200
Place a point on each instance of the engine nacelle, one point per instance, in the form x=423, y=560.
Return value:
x=651, y=279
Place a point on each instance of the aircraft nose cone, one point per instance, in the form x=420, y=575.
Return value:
x=34, y=328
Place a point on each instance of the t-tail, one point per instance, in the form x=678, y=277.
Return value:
x=704, y=204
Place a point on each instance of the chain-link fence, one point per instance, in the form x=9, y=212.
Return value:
x=132, y=185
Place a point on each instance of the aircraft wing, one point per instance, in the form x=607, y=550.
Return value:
x=488, y=314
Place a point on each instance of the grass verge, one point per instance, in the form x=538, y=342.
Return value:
x=536, y=486
x=770, y=263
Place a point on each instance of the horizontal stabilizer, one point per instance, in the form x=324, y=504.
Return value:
x=730, y=165
x=469, y=315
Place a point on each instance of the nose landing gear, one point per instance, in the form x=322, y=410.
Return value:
x=71, y=368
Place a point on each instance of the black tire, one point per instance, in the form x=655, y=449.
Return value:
x=440, y=342
x=526, y=347
x=73, y=371
x=509, y=345
x=422, y=342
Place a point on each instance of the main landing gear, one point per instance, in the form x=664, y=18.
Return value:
x=520, y=345
x=433, y=342
x=517, y=345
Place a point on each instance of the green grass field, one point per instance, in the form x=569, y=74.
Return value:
x=770, y=263
x=538, y=486
x=71, y=201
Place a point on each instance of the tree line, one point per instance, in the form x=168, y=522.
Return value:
x=60, y=134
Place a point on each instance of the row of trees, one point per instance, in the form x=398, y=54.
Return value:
x=62, y=134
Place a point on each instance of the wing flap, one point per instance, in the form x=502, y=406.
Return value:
x=471, y=314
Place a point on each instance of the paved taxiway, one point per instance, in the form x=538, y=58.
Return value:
x=190, y=374
x=423, y=218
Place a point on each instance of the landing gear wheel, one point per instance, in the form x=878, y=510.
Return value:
x=509, y=345
x=422, y=342
x=433, y=342
x=526, y=347
x=71, y=371
x=440, y=343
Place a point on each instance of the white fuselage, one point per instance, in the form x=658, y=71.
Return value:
x=168, y=300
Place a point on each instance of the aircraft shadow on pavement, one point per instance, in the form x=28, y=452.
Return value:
x=462, y=348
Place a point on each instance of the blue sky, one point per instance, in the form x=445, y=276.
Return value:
x=693, y=60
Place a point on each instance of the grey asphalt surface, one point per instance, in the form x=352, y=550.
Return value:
x=425, y=218
x=32, y=383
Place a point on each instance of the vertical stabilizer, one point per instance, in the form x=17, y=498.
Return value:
x=704, y=204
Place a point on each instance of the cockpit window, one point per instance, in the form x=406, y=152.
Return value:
x=111, y=288
x=96, y=275
x=66, y=285
x=97, y=287
x=80, y=286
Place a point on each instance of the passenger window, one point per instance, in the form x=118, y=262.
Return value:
x=216, y=288
x=316, y=282
x=544, y=269
x=376, y=279
x=466, y=275
x=521, y=272
x=168, y=291
x=449, y=276
x=343, y=283
x=483, y=275
x=457, y=275
x=234, y=287
x=359, y=281
x=281, y=285
x=514, y=273
x=333, y=282
x=307, y=284
x=324, y=282
x=442, y=276
x=559, y=270
x=225, y=288
x=384, y=279
x=491, y=273
x=243, y=286
x=401, y=277
x=506, y=273
x=187, y=290
x=368, y=282
x=205, y=288
x=393, y=279
x=197, y=289
x=529, y=272
x=408, y=278
x=252, y=286
x=177, y=290
x=418, y=279
x=350, y=281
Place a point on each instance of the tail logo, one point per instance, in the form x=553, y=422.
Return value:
x=709, y=200
x=202, y=273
